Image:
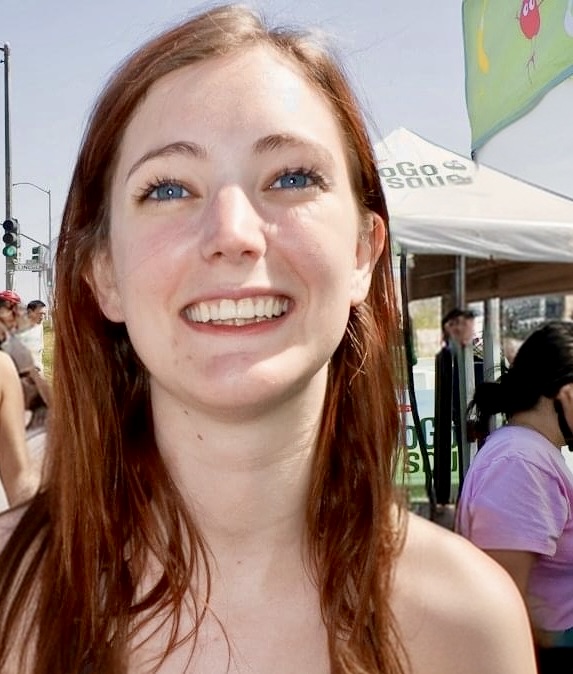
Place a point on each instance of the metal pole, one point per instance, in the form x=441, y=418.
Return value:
x=49, y=246
x=49, y=271
x=8, y=160
x=460, y=282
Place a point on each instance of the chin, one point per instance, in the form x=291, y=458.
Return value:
x=252, y=397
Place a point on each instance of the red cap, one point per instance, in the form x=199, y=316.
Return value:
x=10, y=296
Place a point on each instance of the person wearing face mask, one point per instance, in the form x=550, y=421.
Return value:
x=517, y=498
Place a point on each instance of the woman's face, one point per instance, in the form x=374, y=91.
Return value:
x=236, y=244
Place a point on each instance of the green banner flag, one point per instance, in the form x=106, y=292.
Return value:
x=515, y=52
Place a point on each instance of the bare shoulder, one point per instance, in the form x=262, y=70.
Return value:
x=7, y=367
x=458, y=612
x=9, y=520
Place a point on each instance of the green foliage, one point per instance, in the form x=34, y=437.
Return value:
x=48, y=351
x=426, y=314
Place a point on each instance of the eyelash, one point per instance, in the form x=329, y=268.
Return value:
x=317, y=178
x=144, y=192
x=314, y=174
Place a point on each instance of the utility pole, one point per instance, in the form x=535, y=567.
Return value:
x=8, y=159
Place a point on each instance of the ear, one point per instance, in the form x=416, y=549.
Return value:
x=371, y=242
x=565, y=394
x=104, y=286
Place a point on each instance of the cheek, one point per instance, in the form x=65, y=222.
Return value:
x=146, y=258
x=325, y=246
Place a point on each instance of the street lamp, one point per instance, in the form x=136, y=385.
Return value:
x=7, y=154
x=49, y=247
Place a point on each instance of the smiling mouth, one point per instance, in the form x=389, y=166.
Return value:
x=245, y=311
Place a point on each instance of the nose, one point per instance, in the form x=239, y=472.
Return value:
x=234, y=229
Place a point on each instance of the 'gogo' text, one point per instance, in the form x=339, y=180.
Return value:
x=407, y=174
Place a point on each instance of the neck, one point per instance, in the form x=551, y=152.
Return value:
x=245, y=480
x=543, y=419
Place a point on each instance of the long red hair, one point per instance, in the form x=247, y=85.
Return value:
x=107, y=489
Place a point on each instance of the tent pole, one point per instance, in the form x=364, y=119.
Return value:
x=460, y=282
x=492, y=345
x=464, y=357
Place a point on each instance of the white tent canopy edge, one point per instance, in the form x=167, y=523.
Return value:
x=443, y=203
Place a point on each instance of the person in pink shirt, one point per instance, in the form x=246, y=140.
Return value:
x=517, y=498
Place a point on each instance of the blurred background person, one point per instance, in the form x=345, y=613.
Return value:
x=20, y=477
x=36, y=390
x=510, y=348
x=458, y=325
x=9, y=309
x=31, y=331
x=517, y=497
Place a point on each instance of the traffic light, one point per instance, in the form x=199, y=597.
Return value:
x=37, y=253
x=11, y=238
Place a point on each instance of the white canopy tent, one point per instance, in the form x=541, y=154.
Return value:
x=443, y=208
x=442, y=203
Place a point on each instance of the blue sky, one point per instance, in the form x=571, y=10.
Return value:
x=405, y=58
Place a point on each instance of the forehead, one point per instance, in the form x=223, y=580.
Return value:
x=258, y=88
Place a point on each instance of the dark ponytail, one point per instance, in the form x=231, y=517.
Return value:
x=542, y=365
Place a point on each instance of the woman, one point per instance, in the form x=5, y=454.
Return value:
x=19, y=478
x=517, y=498
x=36, y=389
x=219, y=484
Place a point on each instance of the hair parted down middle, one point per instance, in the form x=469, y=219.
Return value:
x=107, y=489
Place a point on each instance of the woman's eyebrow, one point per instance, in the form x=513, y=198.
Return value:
x=277, y=141
x=268, y=143
x=178, y=147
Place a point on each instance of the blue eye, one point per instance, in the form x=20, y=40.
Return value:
x=296, y=179
x=167, y=191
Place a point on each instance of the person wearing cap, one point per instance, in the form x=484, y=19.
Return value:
x=458, y=325
x=10, y=296
x=457, y=334
x=9, y=309
x=37, y=392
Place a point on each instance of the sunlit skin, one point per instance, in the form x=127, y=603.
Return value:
x=236, y=231
x=262, y=206
x=232, y=183
x=8, y=316
x=37, y=316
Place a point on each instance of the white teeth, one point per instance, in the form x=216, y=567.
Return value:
x=245, y=308
x=277, y=310
x=240, y=312
x=227, y=309
x=260, y=307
